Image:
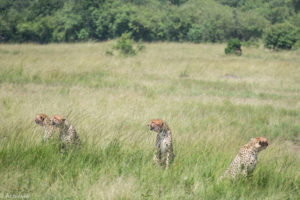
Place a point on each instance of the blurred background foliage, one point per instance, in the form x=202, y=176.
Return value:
x=45, y=21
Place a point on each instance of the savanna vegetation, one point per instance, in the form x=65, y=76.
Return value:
x=44, y=21
x=213, y=103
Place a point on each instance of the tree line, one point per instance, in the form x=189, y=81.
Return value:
x=45, y=21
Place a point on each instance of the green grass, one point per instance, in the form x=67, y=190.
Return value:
x=213, y=103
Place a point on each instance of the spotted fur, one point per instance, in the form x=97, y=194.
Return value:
x=68, y=134
x=164, y=149
x=44, y=121
x=245, y=162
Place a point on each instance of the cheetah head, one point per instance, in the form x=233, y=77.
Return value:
x=260, y=143
x=58, y=121
x=156, y=125
x=40, y=119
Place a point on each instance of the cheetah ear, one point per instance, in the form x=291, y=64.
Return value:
x=162, y=124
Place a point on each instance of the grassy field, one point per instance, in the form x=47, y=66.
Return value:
x=213, y=104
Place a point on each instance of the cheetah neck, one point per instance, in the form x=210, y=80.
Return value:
x=47, y=125
x=67, y=124
x=162, y=134
x=165, y=132
x=48, y=129
x=47, y=122
x=251, y=149
x=65, y=127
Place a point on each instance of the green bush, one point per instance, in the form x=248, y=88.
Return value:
x=140, y=46
x=150, y=20
x=125, y=45
x=195, y=34
x=4, y=30
x=280, y=36
x=296, y=45
x=67, y=24
x=83, y=35
x=248, y=25
x=234, y=47
x=217, y=24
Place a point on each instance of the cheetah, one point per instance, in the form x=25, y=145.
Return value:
x=245, y=162
x=44, y=121
x=164, y=146
x=68, y=134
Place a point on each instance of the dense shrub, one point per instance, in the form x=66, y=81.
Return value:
x=27, y=31
x=233, y=3
x=125, y=45
x=150, y=20
x=68, y=24
x=4, y=30
x=83, y=35
x=195, y=34
x=280, y=36
x=217, y=24
x=234, y=47
x=296, y=5
x=247, y=25
x=296, y=45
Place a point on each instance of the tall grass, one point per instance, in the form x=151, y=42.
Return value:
x=216, y=107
